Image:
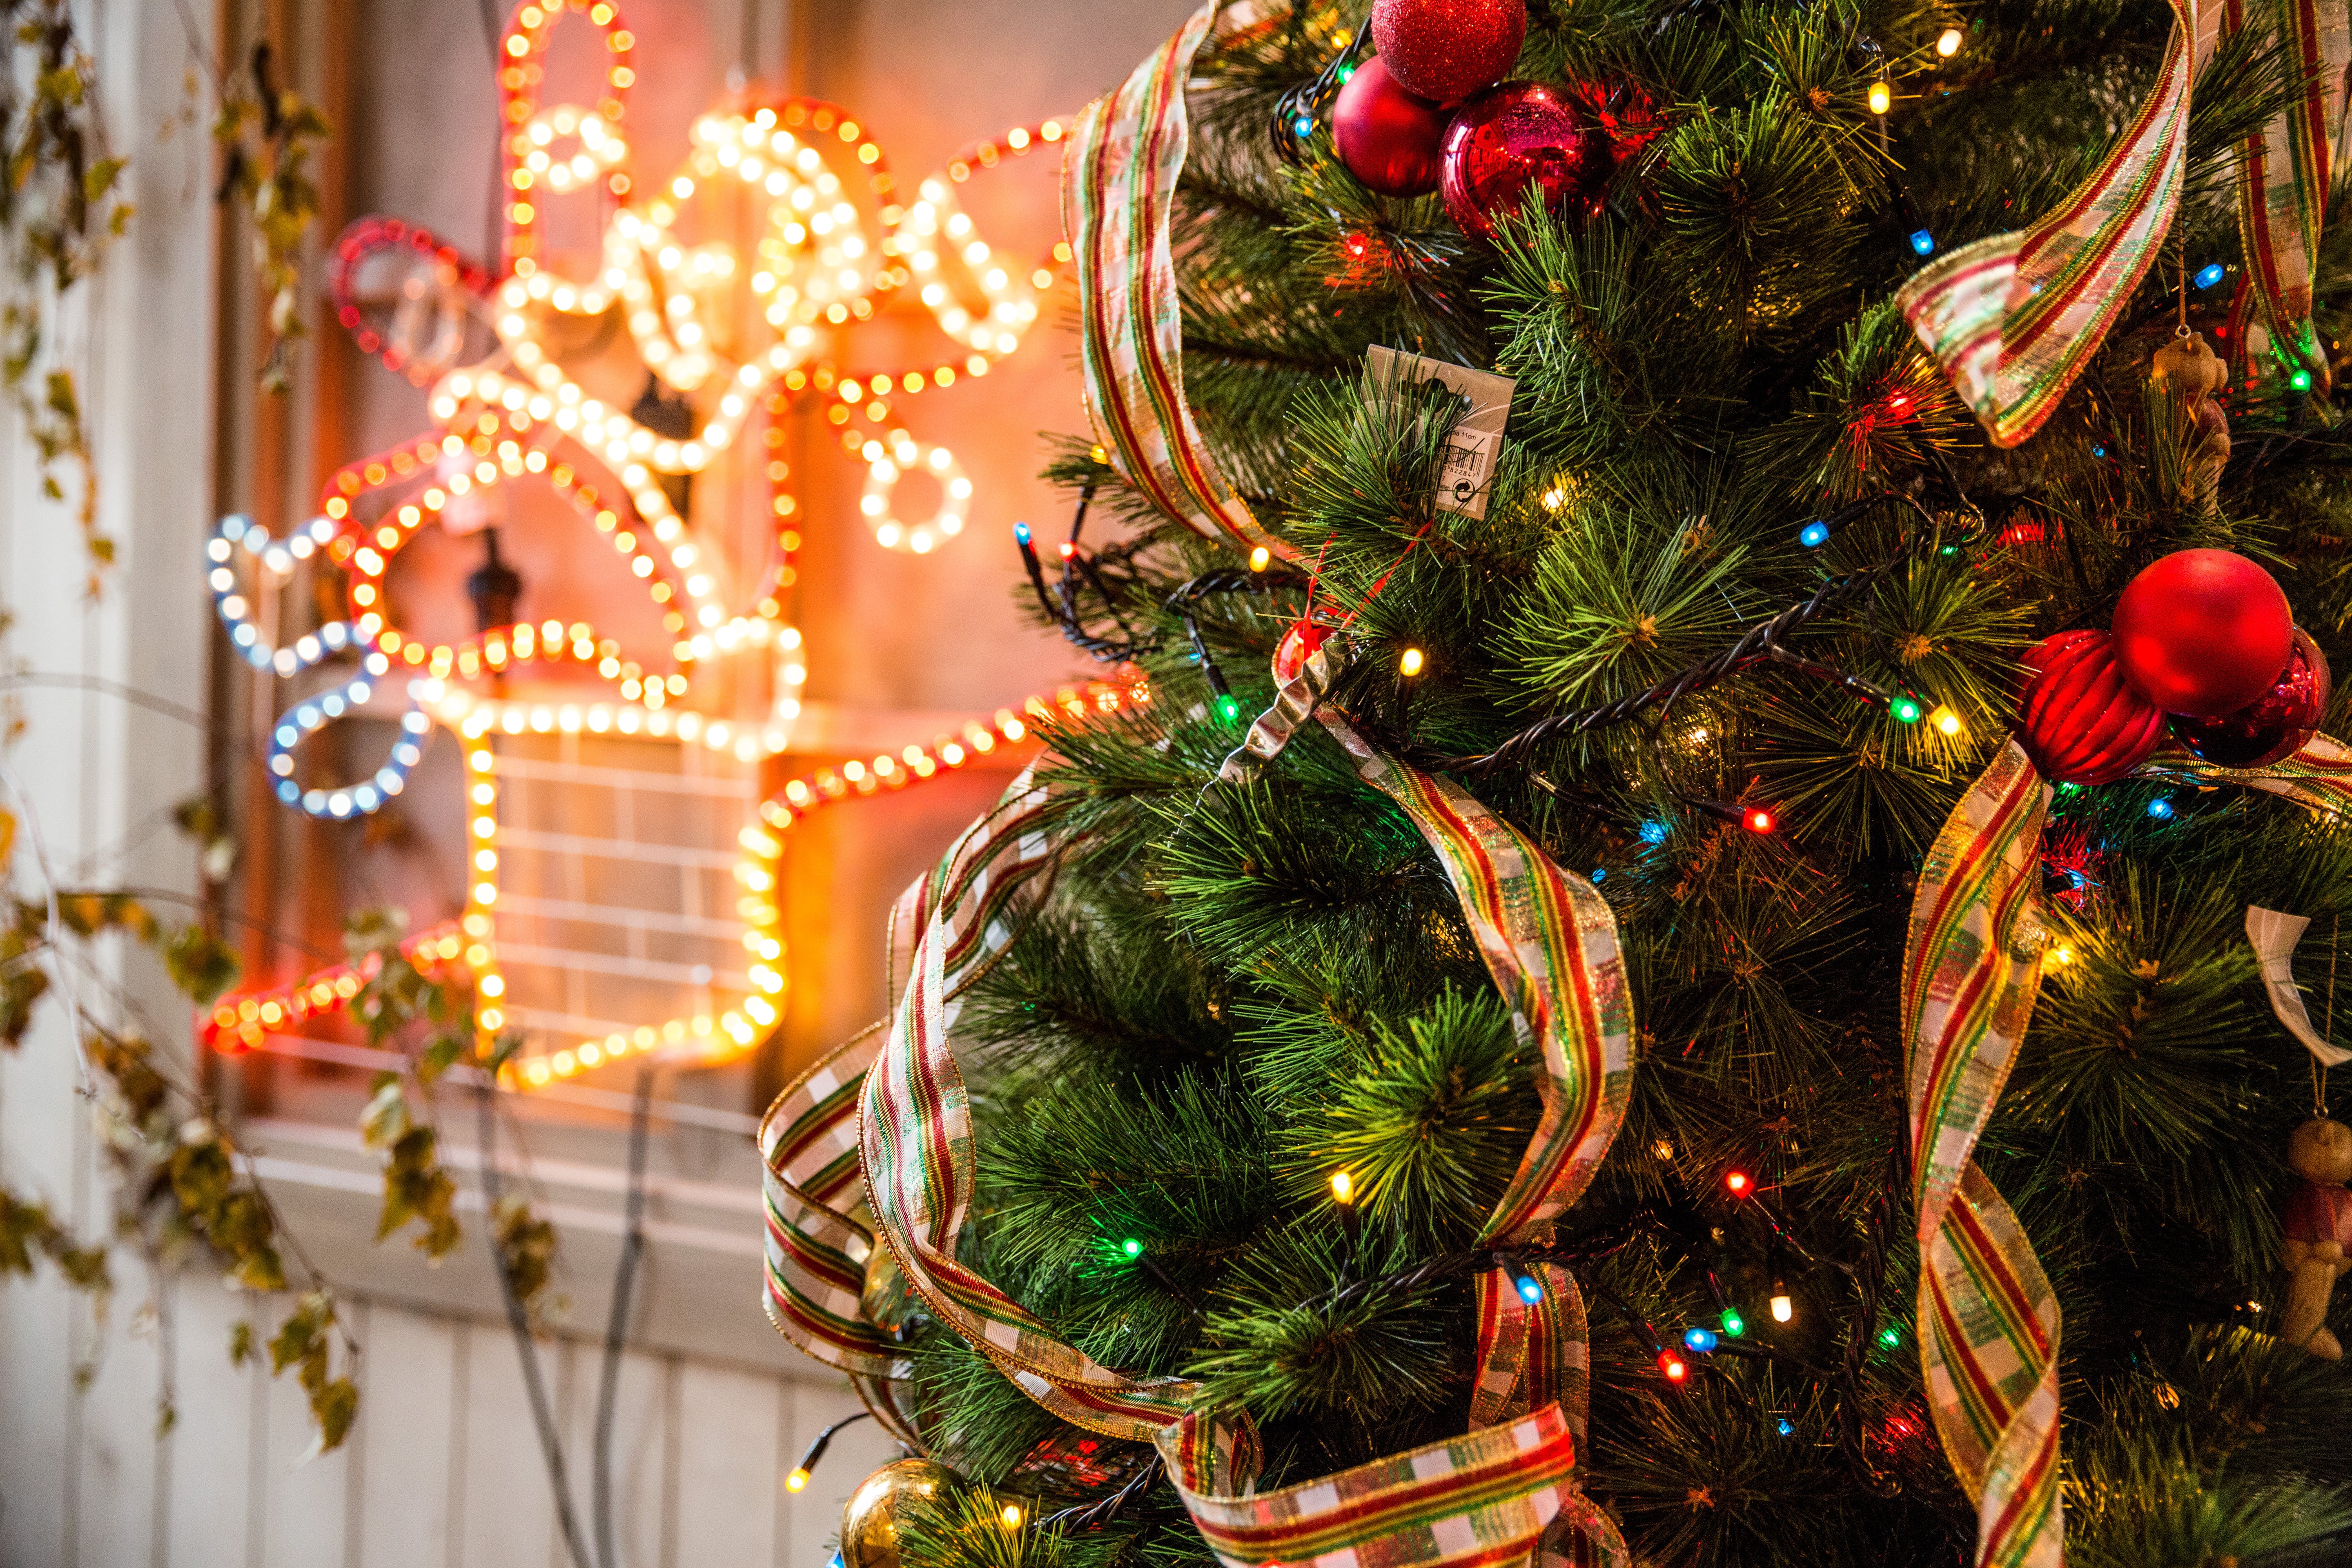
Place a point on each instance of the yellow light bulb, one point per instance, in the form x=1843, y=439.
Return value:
x=2061, y=954
x=1782, y=1308
x=1882, y=97
x=1011, y=1516
x=1950, y=44
x=1259, y=558
x=1410, y=664
x=1946, y=722
x=1343, y=1187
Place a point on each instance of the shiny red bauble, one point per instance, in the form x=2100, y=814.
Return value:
x=2202, y=632
x=2272, y=726
x=1298, y=646
x=1387, y=137
x=2077, y=718
x=1520, y=136
x=1445, y=50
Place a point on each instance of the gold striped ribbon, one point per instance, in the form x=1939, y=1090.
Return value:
x=1504, y=1492
x=1118, y=182
x=1987, y=1319
x=2284, y=172
x=2014, y=318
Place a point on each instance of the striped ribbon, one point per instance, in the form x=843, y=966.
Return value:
x=1504, y=1493
x=2283, y=174
x=1118, y=182
x=2014, y=318
x=1971, y=968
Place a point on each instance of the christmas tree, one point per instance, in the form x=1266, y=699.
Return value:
x=1665, y=976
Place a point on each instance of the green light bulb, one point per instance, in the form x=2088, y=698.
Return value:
x=1890, y=1336
x=1733, y=1323
x=1229, y=708
x=1131, y=1246
x=1905, y=711
x=2300, y=381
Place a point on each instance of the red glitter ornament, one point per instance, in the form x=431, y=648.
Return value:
x=2272, y=726
x=2203, y=633
x=2078, y=719
x=1445, y=50
x=1387, y=137
x=1524, y=134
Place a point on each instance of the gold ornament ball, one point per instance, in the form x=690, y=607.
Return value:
x=871, y=1518
x=884, y=1299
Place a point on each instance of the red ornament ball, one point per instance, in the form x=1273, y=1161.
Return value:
x=2077, y=718
x=2272, y=726
x=2202, y=632
x=1388, y=138
x=1518, y=135
x=1445, y=50
x=1298, y=646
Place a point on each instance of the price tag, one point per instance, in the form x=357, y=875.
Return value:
x=1467, y=474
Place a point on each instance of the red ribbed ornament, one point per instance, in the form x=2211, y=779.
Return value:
x=2078, y=719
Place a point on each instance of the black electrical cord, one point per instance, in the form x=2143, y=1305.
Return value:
x=1759, y=644
x=543, y=1413
x=616, y=1321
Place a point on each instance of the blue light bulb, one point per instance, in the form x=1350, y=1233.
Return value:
x=2209, y=275
x=1531, y=1290
x=1814, y=534
x=1654, y=832
x=1600, y=873
x=1021, y=533
x=2160, y=809
x=1786, y=1427
x=1699, y=1340
x=1303, y=127
x=1923, y=242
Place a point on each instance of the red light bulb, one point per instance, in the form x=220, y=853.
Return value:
x=1672, y=1366
x=1738, y=1182
x=1068, y=550
x=1757, y=821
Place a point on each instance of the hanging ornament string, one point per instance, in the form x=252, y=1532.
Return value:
x=1988, y=1320
x=1118, y=185
x=2014, y=318
x=2284, y=177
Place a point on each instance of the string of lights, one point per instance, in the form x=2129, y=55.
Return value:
x=464, y=951
x=1298, y=110
x=1759, y=644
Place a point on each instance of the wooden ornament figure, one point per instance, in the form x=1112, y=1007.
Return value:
x=2186, y=369
x=2317, y=1223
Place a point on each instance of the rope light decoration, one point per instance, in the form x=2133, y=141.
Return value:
x=467, y=947
x=833, y=239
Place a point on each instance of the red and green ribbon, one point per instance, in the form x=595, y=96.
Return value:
x=1987, y=1317
x=2014, y=318
x=2283, y=174
x=1119, y=185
